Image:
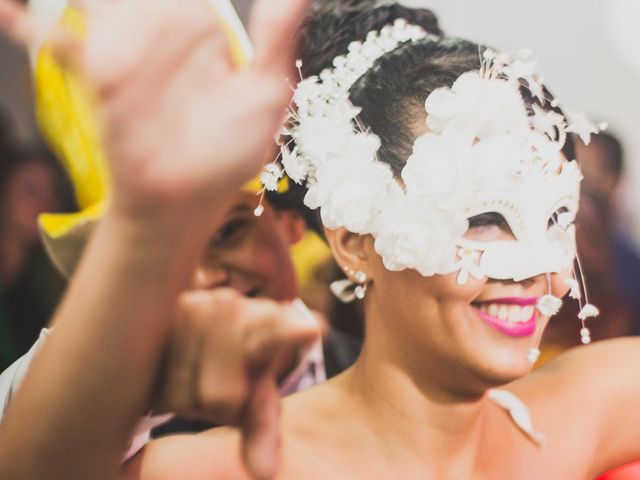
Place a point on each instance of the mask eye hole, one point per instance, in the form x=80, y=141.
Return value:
x=561, y=218
x=487, y=227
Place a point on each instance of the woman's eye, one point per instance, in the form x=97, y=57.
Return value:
x=491, y=219
x=487, y=226
x=230, y=233
x=562, y=217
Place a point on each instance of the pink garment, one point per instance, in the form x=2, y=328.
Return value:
x=626, y=472
x=308, y=373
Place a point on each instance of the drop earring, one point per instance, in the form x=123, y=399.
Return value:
x=346, y=290
x=361, y=288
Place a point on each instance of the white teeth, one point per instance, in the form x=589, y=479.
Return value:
x=510, y=313
x=527, y=313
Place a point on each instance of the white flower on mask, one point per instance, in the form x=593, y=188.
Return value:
x=496, y=158
x=322, y=138
x=547, y=122
x=574, y=286
x=306, y=94
x=588, y=311
x=468, y=264
x=548, y=305
x=440, y=166
x=420, y=238
x=475, y=108
x=521, y=69
x=349, y=193
x=270, y=176
x=582, y=126
x=293, y=164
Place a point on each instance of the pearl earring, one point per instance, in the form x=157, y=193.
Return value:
x=361, y=289
x=346, y=290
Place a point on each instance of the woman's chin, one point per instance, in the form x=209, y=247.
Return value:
x=504, y=366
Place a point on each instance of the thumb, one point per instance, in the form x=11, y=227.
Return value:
x=261, y=431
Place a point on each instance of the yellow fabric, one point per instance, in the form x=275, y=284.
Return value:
x=308, y=254
x=239, y=43
x=65, y=114
x=255, y=185
x=66, y=117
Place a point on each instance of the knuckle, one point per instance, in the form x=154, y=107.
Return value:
x=220, y=399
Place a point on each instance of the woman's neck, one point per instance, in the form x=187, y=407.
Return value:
x=444, y=431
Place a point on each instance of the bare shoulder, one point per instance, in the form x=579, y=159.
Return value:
x=602, y=365
x=212, y=455
x=592, y=389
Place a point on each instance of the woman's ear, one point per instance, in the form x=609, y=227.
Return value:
x=349, y=250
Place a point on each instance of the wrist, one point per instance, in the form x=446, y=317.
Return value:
x=165, y=225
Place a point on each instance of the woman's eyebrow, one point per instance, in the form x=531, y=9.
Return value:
x=240, y=208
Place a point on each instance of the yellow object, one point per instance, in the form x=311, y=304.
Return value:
x=308, y=254
x=255, y=185
x=66, y=117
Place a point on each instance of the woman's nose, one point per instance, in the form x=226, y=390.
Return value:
x=208, y=277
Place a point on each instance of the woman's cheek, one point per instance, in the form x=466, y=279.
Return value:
x=559, y=286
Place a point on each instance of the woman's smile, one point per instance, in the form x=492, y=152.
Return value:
x=512, y=316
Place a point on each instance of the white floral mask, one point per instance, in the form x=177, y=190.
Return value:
x=539, y=211
x=482, y=152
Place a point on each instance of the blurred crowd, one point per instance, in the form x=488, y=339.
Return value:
x=31, y=182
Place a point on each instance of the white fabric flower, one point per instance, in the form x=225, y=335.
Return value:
x=305, y=93
x=293, y=164
x=323, y=137
x=440, y=166
x=468, y=264
x=547, y=122
x=475, y=108
x=588, y=311
x=495, y=159
x=573, y=284
x=582, y=126
x=421, y=238
x=270, y=176
x=349, y=193
x=548, y=305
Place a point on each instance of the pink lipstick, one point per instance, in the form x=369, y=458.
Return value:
x=514, y=325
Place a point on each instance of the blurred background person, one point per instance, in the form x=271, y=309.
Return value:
x=30, y=183
x=610, y=262
x=604, y=168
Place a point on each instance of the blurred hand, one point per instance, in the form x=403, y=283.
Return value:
x=224, y=360
x=181, y=125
